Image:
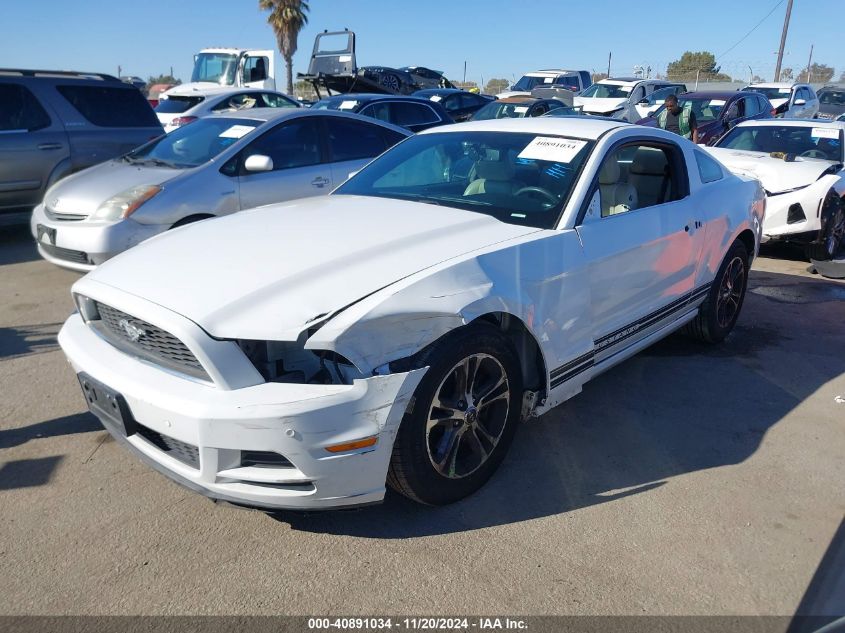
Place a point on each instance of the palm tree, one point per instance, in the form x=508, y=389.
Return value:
x=287, y=17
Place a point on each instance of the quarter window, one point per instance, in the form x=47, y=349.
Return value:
x=107, y=106
x=708, y=169
x=289, y=145
x=20, y=110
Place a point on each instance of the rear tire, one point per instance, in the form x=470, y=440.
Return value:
x=462, y=418
x=720, y=310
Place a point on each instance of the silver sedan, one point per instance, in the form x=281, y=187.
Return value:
x=215, y=166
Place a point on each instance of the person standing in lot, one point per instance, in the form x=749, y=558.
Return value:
x=679, y=120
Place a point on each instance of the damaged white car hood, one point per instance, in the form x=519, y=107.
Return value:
x=775, y=174
x=271, y=272
x=599, y=106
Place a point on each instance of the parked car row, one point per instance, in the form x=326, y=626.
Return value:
x=382, y=302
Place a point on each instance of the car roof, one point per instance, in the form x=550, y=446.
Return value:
x=579, y=126
x=551, y=71
x=820, y=123
x=179, y=91
x=274, y=114
x=719, y=94
x=439, y=91
x=368, y=97
x=777, y=84
x=520, y=99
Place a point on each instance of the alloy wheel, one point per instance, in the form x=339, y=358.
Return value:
x=730, y=292
x=467, y=416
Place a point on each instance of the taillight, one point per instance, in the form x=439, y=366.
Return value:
x=182, y=120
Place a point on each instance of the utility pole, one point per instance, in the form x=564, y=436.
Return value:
x=783, y=40
x=809, y=63
x=609, y=56
x=465, y=72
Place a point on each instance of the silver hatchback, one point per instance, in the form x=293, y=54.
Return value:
x=215, y=166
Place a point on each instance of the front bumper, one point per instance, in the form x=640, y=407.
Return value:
x=777, y=224
x=83, y=245
x=297, y=421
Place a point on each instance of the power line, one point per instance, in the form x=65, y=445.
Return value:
x=780, y=2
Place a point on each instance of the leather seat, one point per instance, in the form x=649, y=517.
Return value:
x=649, y=175
x=616, y=196
x=493, y=176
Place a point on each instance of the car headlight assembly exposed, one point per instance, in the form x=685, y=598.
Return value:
x=125, y=203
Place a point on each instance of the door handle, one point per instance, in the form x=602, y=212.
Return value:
x=46, y=146
x=319, y=181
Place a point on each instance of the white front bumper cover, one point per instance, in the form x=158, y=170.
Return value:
x=297, y=421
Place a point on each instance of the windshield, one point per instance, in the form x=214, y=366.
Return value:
x=704, y=109
x=832, y=97
x=810, y=142
x=502, y=110
x=517, y=178
x=771, y=93
x=177, y=105
x=218, y=68
x=607, y=91
x=194, y=144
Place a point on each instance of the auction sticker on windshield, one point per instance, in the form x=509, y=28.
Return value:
x=347, y=105
x=823, y=132
x=552, y=148
x=236, y=131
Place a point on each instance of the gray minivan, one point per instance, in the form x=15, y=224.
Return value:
x=54, y=123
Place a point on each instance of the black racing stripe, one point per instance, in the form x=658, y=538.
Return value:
x=665, y=310
x=571, y=374
x=572, y=363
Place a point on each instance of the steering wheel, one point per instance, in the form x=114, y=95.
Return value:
x=548, y=195
x=814, y=153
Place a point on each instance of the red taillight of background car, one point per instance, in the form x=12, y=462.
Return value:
x=182, y=120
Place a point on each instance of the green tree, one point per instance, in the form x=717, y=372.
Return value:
x=820, y=73
x=787, y=74
x=495, y=86
x=699, y=65
x=163, y=79
x=287, y=17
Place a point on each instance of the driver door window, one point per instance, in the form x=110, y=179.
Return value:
x=294, y=144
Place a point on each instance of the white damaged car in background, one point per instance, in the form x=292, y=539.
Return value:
x=397, y=330
x=800, y=165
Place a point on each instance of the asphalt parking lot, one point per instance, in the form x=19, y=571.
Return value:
x=688, y=480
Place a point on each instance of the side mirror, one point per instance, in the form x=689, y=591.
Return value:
x=352, y=173
x=800, y=102
x=258, y=163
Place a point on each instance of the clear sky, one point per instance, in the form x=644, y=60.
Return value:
x=497, y=38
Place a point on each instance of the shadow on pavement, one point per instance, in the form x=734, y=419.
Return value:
x=27, y=473
x=17, y=245
x=825, y=594
x=678, y=407
x=68, y=425
x=28, y=339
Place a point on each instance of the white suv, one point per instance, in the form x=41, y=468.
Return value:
x=624, y=98
x=574, y=80
x=790, y=100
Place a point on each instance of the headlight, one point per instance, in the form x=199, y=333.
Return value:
x=125, y=203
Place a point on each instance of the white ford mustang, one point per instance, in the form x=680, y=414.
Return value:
x=301, y=355
x=801, y=165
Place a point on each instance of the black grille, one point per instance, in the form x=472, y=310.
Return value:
x=184, y=452
x=152, y=343
x=67, y=254
x=264, y=458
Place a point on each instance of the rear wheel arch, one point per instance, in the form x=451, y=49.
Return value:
x=748, y=240
x=196, y=217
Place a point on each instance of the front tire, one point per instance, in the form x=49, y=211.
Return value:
x=462, y=418
x=720, y=310
x=832, y=240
